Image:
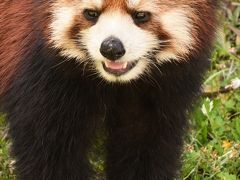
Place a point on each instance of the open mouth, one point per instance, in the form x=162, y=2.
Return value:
x=118, y=68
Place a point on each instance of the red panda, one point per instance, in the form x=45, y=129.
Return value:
x=71, y=67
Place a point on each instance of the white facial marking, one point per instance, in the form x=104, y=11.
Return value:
x=133, y=3
x=178, y=25
x=143, y=5
x=63, y=19
x=92, y=3
x=136, y=41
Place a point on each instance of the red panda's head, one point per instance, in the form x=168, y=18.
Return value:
x=122, y=39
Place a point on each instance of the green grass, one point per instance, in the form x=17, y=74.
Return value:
x=6, y=171
x=212, y=148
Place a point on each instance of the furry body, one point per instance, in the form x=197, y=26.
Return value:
x=55, y=106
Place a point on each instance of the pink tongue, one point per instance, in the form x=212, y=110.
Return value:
x=115, y=65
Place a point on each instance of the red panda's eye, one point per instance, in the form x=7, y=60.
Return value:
x=141, y=17
x=91, y=15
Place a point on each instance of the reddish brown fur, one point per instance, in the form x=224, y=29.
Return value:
x=15, y=34
x=13, y=41
x=115, y=4
x=79, y=24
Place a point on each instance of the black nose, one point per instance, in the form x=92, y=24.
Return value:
x=112, y=48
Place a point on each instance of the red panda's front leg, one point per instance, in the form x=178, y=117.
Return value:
x=146, y=145
x=51, y=123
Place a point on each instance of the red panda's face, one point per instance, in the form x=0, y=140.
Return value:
x=122, y=39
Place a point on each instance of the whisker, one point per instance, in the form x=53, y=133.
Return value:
x=60, y=63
